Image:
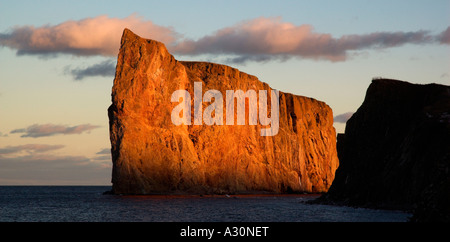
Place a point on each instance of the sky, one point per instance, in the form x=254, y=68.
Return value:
x=57, y=61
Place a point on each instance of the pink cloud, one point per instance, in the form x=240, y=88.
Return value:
x=266, y=38
x=90, y=36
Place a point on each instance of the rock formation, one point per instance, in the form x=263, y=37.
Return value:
x=395, y=152
x=153, y=155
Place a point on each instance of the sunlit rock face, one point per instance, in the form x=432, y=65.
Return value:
x=395, y=152
x=151, y=154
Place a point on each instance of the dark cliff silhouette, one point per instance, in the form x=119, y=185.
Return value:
x=395, y=153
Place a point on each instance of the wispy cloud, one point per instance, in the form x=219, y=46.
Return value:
x=90, y=36
x=103, y=155
x=105, y=69
x=342, y=118
x=43, y=130
x=29, y=148
x=105, y=151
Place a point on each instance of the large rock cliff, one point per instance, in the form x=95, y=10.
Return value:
x=395, y=152
x=153, y=155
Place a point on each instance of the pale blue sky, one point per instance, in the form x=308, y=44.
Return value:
x=38, y=90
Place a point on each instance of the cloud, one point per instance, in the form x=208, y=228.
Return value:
x=29, y=148
x=103, y=158
x=263, y=39
x=90, y=36
x=444, y=37
x=33, y=164
x=39, y=161
x=259, y=40
x=342, y=118
x=106, y=69
x=41, y=168
x=43, y=130
x=105, y=151
x=103, y=155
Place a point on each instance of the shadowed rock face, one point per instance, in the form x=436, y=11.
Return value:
x=395, y=152
x=152, y=155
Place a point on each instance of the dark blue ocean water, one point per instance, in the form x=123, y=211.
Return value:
x=88, y=204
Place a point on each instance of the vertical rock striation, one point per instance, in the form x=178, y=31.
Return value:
x=152, y=155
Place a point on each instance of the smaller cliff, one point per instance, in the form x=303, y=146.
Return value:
x=395, y=152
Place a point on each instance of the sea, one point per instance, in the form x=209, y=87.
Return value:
x=89, y=204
